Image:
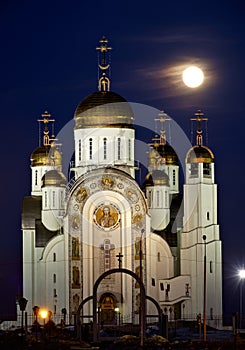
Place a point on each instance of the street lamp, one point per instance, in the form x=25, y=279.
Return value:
x=35, y=310
x=118, y=313
x=43, y=313
x=22, y=305
x=242, y=277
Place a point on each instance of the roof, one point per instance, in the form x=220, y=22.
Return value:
x=103, y=108
x=199, y=154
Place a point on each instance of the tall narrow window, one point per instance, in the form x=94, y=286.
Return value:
x=149, y=199
x=90, y=148
x=166, y=199
x=55, y=309
x=129, y=149
x=79, y=150
x=45, y=199
x=158, y=198
x=119, y=148
x=53, y=199
x=161, y=286
x=211, y=267
x=206, y=169
x=54, y=257
x=55, y=293
x=174, y=177
x=62, y=200
x=54, y=278
x=194, y=170
x=208, y=216
x=158, y=256
x=105, y=148
x=35, y=177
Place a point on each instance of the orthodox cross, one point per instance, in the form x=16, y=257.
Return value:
x=119, y=256
x=107, y=247
x=199, y=118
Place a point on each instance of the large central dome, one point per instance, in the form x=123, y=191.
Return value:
x=103, y=109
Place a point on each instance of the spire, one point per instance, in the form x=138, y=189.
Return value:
x=199, y=118
x=46, y=120
x=104, y=82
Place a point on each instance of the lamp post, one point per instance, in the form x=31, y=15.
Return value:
x=43, y=313
x=22, y=305
x=204, y=290
x=35, y=310
x=242, y=277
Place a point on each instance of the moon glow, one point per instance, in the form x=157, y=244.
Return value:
x=193, y=77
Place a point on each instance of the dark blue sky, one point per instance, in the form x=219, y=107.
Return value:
x=48, y=61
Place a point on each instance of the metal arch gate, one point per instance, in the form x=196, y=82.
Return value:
x=143, y=298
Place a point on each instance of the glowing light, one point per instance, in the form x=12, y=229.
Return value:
x=43, y=313
x=242, y=273
x=193, y=76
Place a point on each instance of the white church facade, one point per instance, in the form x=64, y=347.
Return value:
x=74, y=231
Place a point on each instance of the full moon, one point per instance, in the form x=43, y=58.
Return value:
x=193, y=76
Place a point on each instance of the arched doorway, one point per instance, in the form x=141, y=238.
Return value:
x=107, y=308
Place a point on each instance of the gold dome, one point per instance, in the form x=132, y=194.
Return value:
x=199, y=154
x=46, y=155
x=164, y=152
x=54, y=178
x=157, y=178
x=103, y=108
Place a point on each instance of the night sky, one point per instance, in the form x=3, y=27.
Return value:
x=49, y=62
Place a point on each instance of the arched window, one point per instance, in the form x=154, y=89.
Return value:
x=119, y=148
x=79, y=150
x=105, y=148
x=54, y=257
x=45, y=199
x=129, y=149
x=166, y=199
x=90, y=148
x=53, y=198
x=54, y=278
x=158, y=198
x=35, y=177
x=149, y=199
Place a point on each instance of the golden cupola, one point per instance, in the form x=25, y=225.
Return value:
x=199, y=153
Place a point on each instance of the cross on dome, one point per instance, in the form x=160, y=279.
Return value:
x=104, y=81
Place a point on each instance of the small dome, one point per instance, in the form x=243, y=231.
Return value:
x=103, y=108
x=199, y=154
x=46, y=155
x=54, y=178
x=157, y=178
x=165, y=152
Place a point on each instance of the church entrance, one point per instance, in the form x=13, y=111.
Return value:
x=107, y=307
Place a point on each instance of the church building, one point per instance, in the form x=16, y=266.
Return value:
x=76, y=229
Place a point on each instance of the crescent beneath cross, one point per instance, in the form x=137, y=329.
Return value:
x=104, y=67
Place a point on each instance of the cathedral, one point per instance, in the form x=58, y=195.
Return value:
x=75, y=229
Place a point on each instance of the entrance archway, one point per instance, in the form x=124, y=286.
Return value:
x=107, y=305
x=142, y=301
